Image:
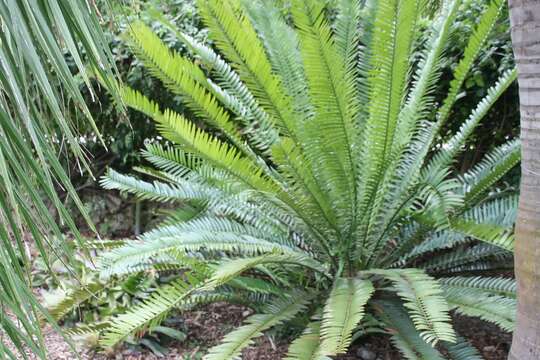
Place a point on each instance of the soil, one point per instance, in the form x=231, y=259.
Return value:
x=208, y=325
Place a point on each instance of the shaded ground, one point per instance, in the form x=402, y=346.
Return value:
x=207, y=326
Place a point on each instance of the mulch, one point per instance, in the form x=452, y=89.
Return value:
x=207, y=326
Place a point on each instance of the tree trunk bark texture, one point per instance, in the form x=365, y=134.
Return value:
x=525, y=22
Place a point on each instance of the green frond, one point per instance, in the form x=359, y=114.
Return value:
x=404, y=335
x=474, y=45
x=75, y=297
x=493, y=285
x=157, y=191
x=239, y=42
x=478, y=257
x=491, y=169
x=424, y=301
x=186, y=79
x=493, y=308
x=462, y=350
x=331, y=99
x=456, y=144
x=490, y=233
x=307, y=346
x=229, y=269
x=343, y=311
x=275, y=313
x=151, y=311
x=86, y=329
x=392, y=39
x=172, y=160
x=181, y=131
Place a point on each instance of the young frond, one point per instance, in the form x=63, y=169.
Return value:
x=229, y=269
x=72, y=299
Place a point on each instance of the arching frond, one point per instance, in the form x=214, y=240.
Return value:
x=496, y=309
x=275, y=313
x=151, y=311
x=404, y=337
x=424, y=301
x=462, y=350
x=494, y=285
x=491, y=169
x=307, y=346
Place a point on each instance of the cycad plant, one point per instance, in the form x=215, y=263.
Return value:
x=319, y=189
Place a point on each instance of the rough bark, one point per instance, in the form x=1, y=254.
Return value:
x=525, y=21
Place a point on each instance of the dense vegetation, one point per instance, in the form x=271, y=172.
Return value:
x=322, y=186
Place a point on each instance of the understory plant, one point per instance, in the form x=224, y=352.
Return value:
x=318, y=192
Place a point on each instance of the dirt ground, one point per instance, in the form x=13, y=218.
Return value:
x=207, y=326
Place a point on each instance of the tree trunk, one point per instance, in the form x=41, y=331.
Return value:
x=525, y=20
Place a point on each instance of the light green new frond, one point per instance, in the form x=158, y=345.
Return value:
x=492, y=285
x=491, y=169
x=404, y=335
x=424, y=301
x=490, y=233
x=307, y=346
x=234, y=94
x=237, y=39
x=462, y=350
x=343, y=311
x=229, y=269
x=332, y=124
x=275, y=313
x=178, y=129
x=151, y=311
x=186, y=79
x=496, y=309
x=86, y=329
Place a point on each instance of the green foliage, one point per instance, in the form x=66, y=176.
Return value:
x=35, y=80
x=346, y=196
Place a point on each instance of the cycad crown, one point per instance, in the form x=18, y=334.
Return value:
x=316, y=182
